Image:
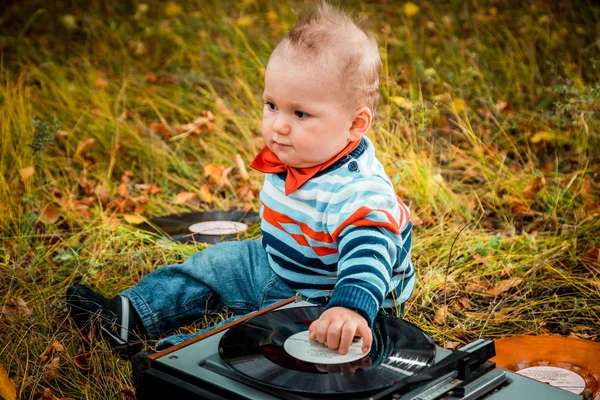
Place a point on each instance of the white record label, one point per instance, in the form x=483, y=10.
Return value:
x=557, y=377
x=298, y=346
x=218, y=227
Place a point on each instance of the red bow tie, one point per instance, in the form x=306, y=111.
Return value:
x=266, y=161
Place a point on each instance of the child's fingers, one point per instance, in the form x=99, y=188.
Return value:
x=364, y=331
x=348, y=331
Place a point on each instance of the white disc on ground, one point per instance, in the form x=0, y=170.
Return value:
x=218, y=228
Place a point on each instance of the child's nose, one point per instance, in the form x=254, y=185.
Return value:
x=281, y=125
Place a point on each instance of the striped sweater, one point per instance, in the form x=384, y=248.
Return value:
x=344, y=230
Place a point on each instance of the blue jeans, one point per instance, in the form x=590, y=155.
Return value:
x=236, y=275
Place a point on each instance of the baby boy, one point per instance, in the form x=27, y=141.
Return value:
x=332, y=226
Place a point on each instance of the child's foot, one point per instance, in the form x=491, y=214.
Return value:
x=116, y=319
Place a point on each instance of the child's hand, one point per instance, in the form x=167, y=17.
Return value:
x=337, y=327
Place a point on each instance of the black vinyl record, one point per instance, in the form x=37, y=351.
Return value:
x=177, y=227
x=255, y=349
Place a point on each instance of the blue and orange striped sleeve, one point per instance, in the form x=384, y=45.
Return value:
x=368, y=224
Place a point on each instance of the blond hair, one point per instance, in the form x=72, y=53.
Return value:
x=328, y=28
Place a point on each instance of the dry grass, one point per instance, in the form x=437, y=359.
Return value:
x=488, y=126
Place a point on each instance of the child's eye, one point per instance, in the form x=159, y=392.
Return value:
x=301, y=114
x=271, y=106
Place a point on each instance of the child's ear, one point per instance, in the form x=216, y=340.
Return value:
x=361, y=123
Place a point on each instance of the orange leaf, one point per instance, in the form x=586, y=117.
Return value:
x=441, y=315
x=49, y=214
x=50, y=351
x=215, y=174
x=184, y=197
x=122, y=190
x=462, y=303
x=7, y=389
x=505, y=285
x=593, y=254
x=26, y=173
x=534, y=187
x=161, y=129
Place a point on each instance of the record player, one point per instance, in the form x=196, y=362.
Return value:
x=249, y=359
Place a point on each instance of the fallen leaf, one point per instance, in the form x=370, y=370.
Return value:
x=449, y=345
x=534, y=187
x=49, y=215
x=215, y=174
x=161, y=129
x=194, y=127
x=416, y=220
x=50, y=351
x=26, y=173
x=16, y=307
x=462, y=303
x=402, y=102
x=541, y=136
x=81, y=360
x=478, y=316
x=83, y=147
x=592, y=253
x=127, y=392
x=122, y=190
x=101, y=83
x=133, y=219
x=505, y=285
x=185, y=197
x=205, y=193
x=102, y=193
x=478, y=286
x=52, y=369
x=441, y=315
x=7, y=389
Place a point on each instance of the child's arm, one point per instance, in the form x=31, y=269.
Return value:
x=372, y=231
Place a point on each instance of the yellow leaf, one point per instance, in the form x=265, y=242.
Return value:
x=245, y=21
x=541, y=136
x=205, y=193
x=402, y=102
x=133, y=219
x=49, y=215
x=410, y=9
x=7, y=389
x=173, y=10
x=459, y=105
x=26, y=173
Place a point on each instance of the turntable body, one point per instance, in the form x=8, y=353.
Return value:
x=196, y=371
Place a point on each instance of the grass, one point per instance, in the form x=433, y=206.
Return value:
x=487, y=125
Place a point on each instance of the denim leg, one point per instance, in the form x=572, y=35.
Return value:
x=236, y=275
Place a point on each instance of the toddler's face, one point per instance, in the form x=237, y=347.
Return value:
x=305, y=118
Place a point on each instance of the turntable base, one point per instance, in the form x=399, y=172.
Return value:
x=196, y=371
